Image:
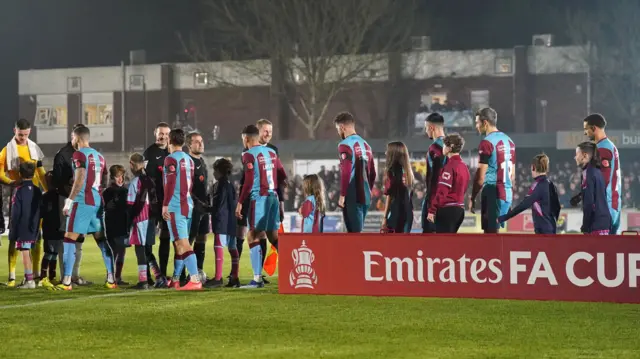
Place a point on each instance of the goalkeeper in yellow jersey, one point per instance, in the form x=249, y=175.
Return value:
x=19, y=150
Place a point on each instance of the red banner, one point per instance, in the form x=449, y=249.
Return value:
x=533, y=267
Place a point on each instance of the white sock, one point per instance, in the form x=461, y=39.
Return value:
x=76, y=265
x=257, y=278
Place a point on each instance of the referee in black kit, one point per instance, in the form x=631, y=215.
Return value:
x=154, y=161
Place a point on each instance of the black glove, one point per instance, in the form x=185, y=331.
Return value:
x=575, y=200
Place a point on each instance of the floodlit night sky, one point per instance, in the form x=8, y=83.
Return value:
x=79, y=33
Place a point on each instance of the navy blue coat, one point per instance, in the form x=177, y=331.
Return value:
x=544, y=203
x=223, y=208
x=25, y=212
x=595, y=208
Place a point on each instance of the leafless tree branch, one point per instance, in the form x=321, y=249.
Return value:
x=610, y=40
x=322, y=46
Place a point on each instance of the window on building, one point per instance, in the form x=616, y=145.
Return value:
x=479, y=99
x=74, y=84
x=503, y=65
x=299, y=77
x=99, y=114
x=43, y=116
x=201, y=79
x=136, y=82
x=435, y=101
x=59, y=116
x=51, y=116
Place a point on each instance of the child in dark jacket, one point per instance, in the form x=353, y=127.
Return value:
x=223, y=223
x=51, y=233
x=542, y=199
x=596, y=218
x=25, y=220
x=115, y=218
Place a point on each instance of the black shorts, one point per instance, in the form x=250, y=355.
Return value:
x=199, y=224
x=491, y=207
x=52, y=242
x=52, y=236
x=63, y=218
x=119, y=241
x=449, y=219
x=244, y=222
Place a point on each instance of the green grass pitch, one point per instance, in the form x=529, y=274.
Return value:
x=100, y=323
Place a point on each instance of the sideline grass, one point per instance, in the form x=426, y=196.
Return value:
x=98, y=323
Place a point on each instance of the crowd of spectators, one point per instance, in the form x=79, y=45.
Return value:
x=564, y=174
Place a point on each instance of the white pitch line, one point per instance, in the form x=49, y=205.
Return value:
x=53, y=301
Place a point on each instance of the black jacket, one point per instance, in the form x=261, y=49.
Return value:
x=63, y=170
x=154, y=156
x=115, y=211
x=200, y=181
x=50, y=212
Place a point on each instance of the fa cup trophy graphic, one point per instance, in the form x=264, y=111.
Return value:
x=303, y=275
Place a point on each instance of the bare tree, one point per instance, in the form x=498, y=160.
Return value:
x=610, y=39
x=316, y=49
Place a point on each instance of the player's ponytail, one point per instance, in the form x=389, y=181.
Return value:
x=312, y=185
